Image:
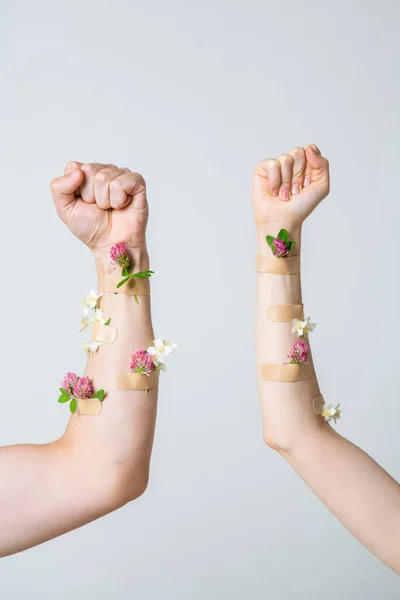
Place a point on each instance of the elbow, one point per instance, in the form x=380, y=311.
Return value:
x=129, y=487
x=119, y=487
x=279, y=443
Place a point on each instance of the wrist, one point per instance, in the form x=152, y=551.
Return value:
x=139, y=256
x=272, y=228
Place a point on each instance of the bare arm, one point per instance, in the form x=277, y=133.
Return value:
x=351, y=484
x=101, y=462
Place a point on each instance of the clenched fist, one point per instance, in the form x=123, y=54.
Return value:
x=103, y=205
x=289, y=187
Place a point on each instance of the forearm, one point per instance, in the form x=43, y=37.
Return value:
x=286, y=408
x=357, y=490
x=123, y=433
x=101, y=462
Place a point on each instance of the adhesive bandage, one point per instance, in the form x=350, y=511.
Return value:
x=104, y=333
x=285, y=313
x=278, y=266
x=273, y=249
x=135, y=286
x=89, y=406
x=286, y=372
x=137, y=381
x=318, y=404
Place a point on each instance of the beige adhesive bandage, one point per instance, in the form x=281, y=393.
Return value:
x=89, y=406
x=286, y=372
x=285, y=313
x=318, y=404
x=137, y=381
x=136, y=286
x=266, y=261
x=278, y=266
x=104, y=333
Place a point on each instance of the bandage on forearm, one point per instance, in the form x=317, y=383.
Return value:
x=136, y=286
x=286, y=372
x=318, y=404
x=285, y=313
x=89, y=406
x=104, y=333
x=268, y=263
x=137, y=381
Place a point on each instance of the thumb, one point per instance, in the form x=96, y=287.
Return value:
x=64, y=188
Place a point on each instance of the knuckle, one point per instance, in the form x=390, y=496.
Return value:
x=115, y=184
x=102, y=176
x=72, y=164
x=54, y=183
x=139, y=178
x=286, y=159
x=91, y=169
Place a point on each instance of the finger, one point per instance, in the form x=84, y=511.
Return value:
x=101, y=185
x=63, y=190
x=299, y=165
x=286, y=162
x=270, y=171
x=73, y=164
x=87, y=188
x=125, y=188
x=312, y=152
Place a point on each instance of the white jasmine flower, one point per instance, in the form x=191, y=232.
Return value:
x=91, y=300
x=303, y=327
x=160, y=350
x=90, y=348
x=97, y=318
x=85, y=322
x=330, y=411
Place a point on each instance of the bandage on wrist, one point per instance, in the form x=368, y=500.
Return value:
x=286, y=372
x=285, y=313
x=137, y=381
x=89, y=406
x=136, y=286
x=103, y=333
x=268, y=263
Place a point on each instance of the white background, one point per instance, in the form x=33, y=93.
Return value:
x=193, y=95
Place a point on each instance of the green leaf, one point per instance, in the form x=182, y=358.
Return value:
x=99, y=394
x=123, y=281
x=143, y=274
x=125, y=272
x=283, y=235
x=270, y=240
x=108, y=321
x=136, y=299
x=64, y=398
x=64, y=391
x=290, y=245
x=72, y=406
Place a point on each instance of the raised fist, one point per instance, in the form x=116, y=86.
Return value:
x=289, y=187
x=102, y=205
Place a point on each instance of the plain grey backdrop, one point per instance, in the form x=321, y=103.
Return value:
x=193, y=95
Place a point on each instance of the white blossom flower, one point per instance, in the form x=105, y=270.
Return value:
x=303, y=327
x=97, y=318
x=90, y=348
x=91, y=300
x=85, y=322
x=330, y=411
x=160, y=350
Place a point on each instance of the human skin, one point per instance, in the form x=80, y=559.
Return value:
x=364, y=497
x=101, y=462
